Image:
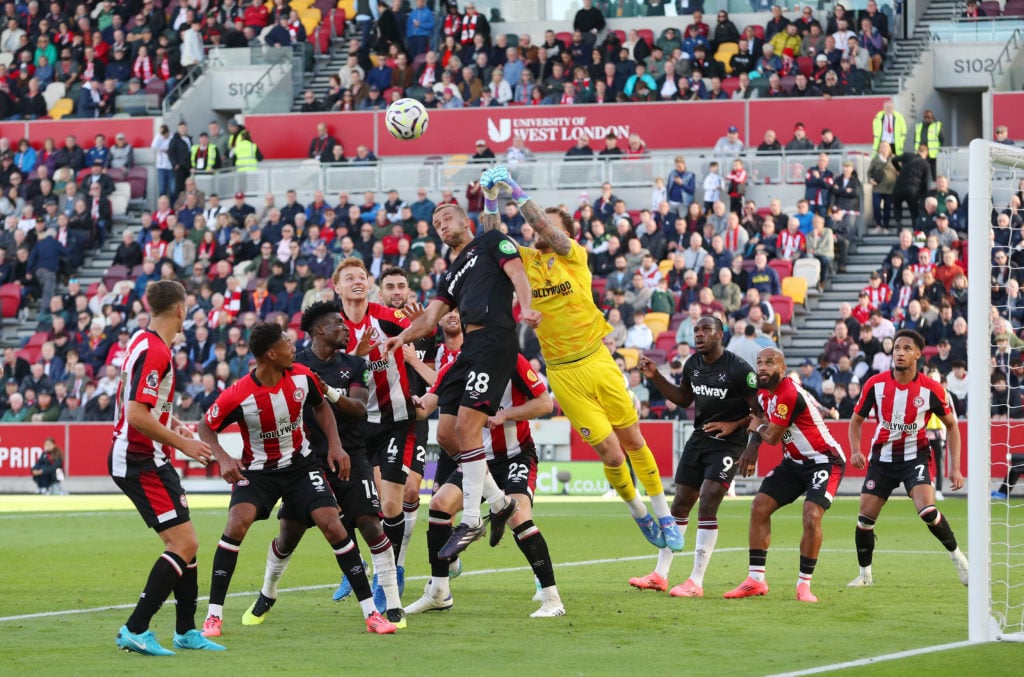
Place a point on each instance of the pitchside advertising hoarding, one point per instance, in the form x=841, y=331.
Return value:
x=86, y=446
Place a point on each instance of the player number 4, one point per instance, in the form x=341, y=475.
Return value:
x=478, y=381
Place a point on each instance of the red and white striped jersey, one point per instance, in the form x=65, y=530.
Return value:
x=390, y=399
x=807, y=439
x=270, y=418
x=902, y=412
x=791, y=244
x=509, y=440
x=879, y=295
x=445, y=356
x=147, y=377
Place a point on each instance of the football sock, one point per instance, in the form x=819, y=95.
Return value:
x=619, y=479
x=664, y=564
x=807, y=565
x=163, y=577
x=533, y=546
x=387, y=573
x=351, y=565
x=646, y=469
x=939, y=527
x=494, y=496
x=394, y=529
x=758, y=560
x=411, y=511
x=186, y=597
x=224, y=560
x=864, y=540
x=474, y=469
x=277, y=562
x=439, y=530
x=707, y=536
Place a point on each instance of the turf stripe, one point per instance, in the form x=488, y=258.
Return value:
x=871, y=660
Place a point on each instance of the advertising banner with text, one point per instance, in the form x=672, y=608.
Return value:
x=554, y=129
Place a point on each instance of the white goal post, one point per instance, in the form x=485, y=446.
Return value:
x=996, y=590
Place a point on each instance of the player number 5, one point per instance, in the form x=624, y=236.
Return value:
x=316, y=478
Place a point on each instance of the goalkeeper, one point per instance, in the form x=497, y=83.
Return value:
x=582, y=375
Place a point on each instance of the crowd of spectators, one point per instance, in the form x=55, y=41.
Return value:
x=453, y=59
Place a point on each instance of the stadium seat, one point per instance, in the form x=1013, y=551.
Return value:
x=665, y=266
x=621, y=34
x=299, y=5
x=676, y=320
x=114, y=275
x=6, y=58
x=53, y=93
x=796, y=289
x=632, y=356
x=783, y=267
x=666, y=341
x=783, y=306
x=658, y=322
x=991, y=8
x=390, y=90
x=321, y=39
x=758, y=31
x=338, y=18
x=348, y=5
x=929, y=352
x=37, y=339
x=808, y=268
x=656, y=355
x=724, y=54
x=648, y=36
x=10, y=300
x=565, y=37
x=61, y=108
x=599, y=284
x=310, y=19
x=805, y=64
x=30, y=355
x=93, y=288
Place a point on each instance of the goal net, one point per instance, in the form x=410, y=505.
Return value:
x=995, y=375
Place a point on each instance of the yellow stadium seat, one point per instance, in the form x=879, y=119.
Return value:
x=632, y=356
x=796, y=289
x=724, y=54
x=299, y=5
x=61, y=108
x=310, y=19
x=349, y=6
x=665, y=266
x=658, y=322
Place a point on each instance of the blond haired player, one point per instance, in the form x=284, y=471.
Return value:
x=584, y=378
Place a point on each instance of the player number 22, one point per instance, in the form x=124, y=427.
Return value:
x=478, y=381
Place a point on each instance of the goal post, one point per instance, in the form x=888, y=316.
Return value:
x=996, y=584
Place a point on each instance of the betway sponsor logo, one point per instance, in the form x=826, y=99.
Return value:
x=708, y=391
x=564, y=289
x=551, y=129
x=462, y=271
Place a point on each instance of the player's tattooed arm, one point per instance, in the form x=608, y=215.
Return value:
x=549, y=233
x=490, y=220
x=682, y=395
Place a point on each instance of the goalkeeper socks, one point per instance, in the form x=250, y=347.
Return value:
x=807, y=565
x=864, y=540
x=533, y=546
x=758, y=559
x=411, y=511
x=619, y=479
x=277, y=562
x=186, y=598
x=224, y=560
x=387, y=573
x=707, y=536
x=163, y=577
x=439, y=530
x=664, y=564
x=646, y=469
x=474, y=470
x=351, y=564
x=939, y=527
x=394, y=529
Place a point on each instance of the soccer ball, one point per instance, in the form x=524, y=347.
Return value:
x=406, y=119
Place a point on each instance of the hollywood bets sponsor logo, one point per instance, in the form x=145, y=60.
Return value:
x=551, y=129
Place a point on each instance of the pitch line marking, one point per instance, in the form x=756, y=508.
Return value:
x=871, y=660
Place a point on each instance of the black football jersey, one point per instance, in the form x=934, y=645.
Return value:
x=341, y=371
x=476, y=283
x=720, y=391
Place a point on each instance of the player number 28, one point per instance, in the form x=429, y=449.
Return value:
x=478, y=381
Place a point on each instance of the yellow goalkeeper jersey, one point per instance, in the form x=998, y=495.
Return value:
x=572, y=326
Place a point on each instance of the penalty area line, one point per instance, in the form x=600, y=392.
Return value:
x=871, y=660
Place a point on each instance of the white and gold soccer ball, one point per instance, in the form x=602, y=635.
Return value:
x=406, y=119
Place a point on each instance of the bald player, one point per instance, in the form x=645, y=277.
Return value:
x=812, y=465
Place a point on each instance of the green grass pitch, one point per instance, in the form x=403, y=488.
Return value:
x=74, y=557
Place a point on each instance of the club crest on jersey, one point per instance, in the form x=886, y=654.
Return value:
x=530, y=376
x=183, y=501
x=244, y=482
x=782, y=410
x=551, y=263
x=919, y=401
x=506, y=247
x=585, y=432
x=751, y=380
x=299, y=394
x=153, y=379
x=869, y=485
x=213, y=413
